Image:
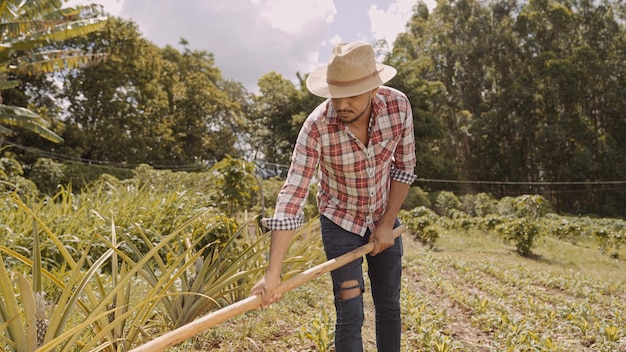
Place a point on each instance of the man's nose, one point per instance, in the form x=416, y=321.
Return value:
x=340, y=103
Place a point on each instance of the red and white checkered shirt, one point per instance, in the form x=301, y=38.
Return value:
x=354, y=179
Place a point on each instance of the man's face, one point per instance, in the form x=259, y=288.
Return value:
x=351, y=109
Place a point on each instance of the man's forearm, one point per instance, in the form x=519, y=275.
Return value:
x=278, y=249
x=397, y=194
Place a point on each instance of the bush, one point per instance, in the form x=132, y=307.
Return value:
x=416, y=198
x=480, y=204
x=490, y=222
x=47, y=175
x=217, y=229
x=506, y=206
x=310, y=206
x=12, y=180
x=235, y=183
x=270, y=189
x=531, y=206
x=80, y=175
x=611, y=237
x=11, y=167
x=445, y=202
x=567, y=229
x=421, y=226
x=522, y=232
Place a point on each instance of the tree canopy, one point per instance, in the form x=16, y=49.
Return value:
x=27, y=31
x=508, y=98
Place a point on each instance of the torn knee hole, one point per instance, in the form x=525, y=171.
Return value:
x=349, y=289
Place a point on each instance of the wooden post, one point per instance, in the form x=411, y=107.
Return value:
x=253, y=302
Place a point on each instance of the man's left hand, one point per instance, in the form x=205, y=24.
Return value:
x=382, y=238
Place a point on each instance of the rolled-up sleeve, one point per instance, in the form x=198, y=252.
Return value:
x=288, y=214
x=403, y=169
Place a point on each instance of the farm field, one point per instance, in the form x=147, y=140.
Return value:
x=470, y=283
x=471, y=292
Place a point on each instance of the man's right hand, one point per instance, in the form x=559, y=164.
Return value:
x=266, y=287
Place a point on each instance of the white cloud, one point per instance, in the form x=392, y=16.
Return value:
x=387, y=23
x=247, y=38
x=250, y=38
x=335, y=40
x=290, y=16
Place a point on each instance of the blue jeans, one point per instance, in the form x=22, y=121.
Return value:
x=385, y=272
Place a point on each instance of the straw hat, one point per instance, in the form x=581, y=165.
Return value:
x=351, y=70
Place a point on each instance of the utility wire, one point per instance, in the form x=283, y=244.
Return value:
x=101, y=163
x=193, y=167
x=526, y=183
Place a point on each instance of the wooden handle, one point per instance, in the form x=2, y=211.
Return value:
x=253, y=302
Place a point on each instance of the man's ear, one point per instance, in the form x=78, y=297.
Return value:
x=374, y=92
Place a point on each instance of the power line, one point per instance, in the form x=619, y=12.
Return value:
x=262, y=163
x=523, y=183
x=100, y=163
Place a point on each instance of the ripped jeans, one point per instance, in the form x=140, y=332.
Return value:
x=384, y=271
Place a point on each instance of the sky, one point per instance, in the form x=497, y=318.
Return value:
x=250, y=38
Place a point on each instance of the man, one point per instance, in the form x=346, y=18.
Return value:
x=362, y=144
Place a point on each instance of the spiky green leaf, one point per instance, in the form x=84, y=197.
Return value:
x=28, y=303
x=10, y=311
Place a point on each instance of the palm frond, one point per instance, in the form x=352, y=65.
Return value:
x=21, y=27
x=54, y=31
x=84, y=11
x=5, y=131
x=57, y=60
x=45, y=133
x=10, y=9
x=16, y=116
x=17, y=29
x=27, y=26
x=23, y=118
x=4, y=85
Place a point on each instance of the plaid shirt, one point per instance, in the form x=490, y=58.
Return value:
x=354, y=179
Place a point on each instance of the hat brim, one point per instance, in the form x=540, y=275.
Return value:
x=316, y=83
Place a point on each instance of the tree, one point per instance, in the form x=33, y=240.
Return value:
x=410, y=57
x=521, y=91
x=206, y=108
x=26, y=30
x=440, y=69
x=278, y=113
x=161, y=107
x=115, y=109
